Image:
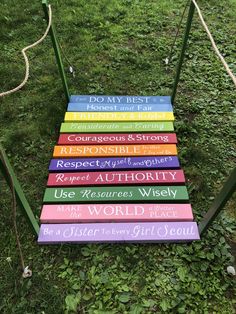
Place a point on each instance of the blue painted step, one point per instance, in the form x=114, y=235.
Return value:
x=100, y=103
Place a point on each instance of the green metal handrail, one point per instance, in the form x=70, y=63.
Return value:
x=220, y=200
x=9, y=175
x=229, y=186
x=57, y=52
x=183, y=49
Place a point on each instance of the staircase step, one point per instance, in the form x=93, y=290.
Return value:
x=116, y=127
x=116, y=178
x=114, y=163
x=121, y=138
x=99, y=107
x=118, y=232
x=80, y=213
x=115, y=193
x=120, y=99
x=118, y=116
x=114, y=150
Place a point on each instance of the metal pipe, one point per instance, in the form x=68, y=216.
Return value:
x=182, y=53
x=221, y=199
x=20, y=196
x=57, y=52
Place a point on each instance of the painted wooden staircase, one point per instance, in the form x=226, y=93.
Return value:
x=115, y=175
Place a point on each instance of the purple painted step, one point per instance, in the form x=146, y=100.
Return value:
x=112, y=163
x=118, y=232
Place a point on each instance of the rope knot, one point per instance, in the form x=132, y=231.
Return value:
x=27, y=272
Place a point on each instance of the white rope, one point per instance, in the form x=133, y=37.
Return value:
x=233, y=77
x=26, y=271
x=23, y=51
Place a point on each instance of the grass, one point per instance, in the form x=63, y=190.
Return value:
x=118, y=47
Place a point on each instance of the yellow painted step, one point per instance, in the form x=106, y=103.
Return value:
x=118, y=116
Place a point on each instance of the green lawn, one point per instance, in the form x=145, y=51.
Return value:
x=118, y=47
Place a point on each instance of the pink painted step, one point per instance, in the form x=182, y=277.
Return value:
x=77, y=213
x=116, y=177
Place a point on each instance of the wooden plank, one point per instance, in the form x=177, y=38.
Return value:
x=120, y=99
x=119, y=232
x=113, y=163
x=111, y=194
x=118, y=116
x=81, y=213
x=116, y=178
x=122, y=138
x=114, y=150
x=116, y=127
x=91, y=107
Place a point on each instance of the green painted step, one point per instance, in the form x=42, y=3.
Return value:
x=93, y=127
x=110, y=194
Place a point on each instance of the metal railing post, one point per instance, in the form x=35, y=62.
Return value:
x=20, y=196
x=183, y=49
x=221, y=199
x=57, y=52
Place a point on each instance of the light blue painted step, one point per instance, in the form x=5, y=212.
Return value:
x=100, y=103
